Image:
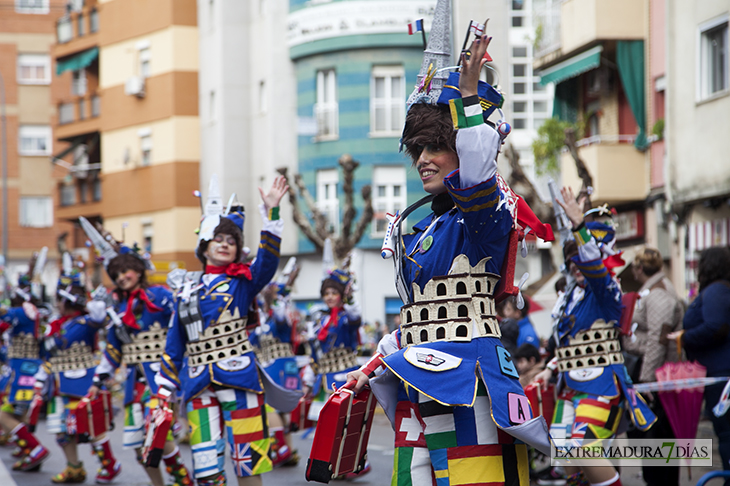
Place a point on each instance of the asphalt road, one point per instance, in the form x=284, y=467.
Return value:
x=380, y=453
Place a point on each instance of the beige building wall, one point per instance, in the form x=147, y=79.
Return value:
x=174, y=139
x=171, y=227
x=171, y=49
x=591, y=20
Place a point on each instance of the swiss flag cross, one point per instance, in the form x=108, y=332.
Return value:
x=408, y=426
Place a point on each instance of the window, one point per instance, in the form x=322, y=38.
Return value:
x=519, y=52
x=95, y=106
x=327, y=201
x=519, y=106
x=538, y=87
x=387, y=92
x=66, y=113
x=144, y=62
x=34, y=140
x=519, y=70
x=64, y=29
x=517, y=4
x=713, y=57
x=83, y=191
x=78, y=83
x=145, y=145
x=96, y=189
x=326, y=109
x=31, y=6
x=519, y=88
x=94, y=21
x=519, y=123
x=80, y=30
x=516, y=21
x=539, y=106
x=36, y=211
x=147, y=233
x=389, y=195
x=68, y=194
x=34, y=69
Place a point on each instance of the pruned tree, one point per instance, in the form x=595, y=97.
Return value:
x=316, y=227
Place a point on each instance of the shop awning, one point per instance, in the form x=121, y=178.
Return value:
x=585, y=61
x=77, y=62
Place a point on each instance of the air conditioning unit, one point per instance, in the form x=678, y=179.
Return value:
x=134, y=86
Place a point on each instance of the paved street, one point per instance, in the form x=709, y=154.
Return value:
x=380, y=454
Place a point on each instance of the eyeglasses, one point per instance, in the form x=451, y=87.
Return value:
x=219, y=238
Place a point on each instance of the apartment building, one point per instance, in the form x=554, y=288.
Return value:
x=129, y=118
x=26, y=35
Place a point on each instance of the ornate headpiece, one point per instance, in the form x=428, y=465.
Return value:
x=213, y=211
x=108, y=248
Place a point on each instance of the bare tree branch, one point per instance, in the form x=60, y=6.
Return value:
x=521, y=184
x=299, y=218
x=348, y=168
x=367, y=214
x=583, y=173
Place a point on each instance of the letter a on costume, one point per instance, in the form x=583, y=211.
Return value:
x=519, y=408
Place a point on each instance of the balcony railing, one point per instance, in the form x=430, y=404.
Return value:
x=78, y=109
x=64, y=30
x=547, y=26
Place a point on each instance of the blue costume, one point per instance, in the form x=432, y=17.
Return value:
x=140, y=349
x=589, y=354
x=527, y=333
x=23, y=358
x=272, y=342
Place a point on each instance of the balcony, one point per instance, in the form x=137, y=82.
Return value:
x=78, y=115
x=77, y=31
x=608, y=160
x=590, y=22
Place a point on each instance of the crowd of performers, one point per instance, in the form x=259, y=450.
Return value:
x=228, y=368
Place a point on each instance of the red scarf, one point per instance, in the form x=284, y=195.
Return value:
x=232, y=270
x=332, y=322
x=55, y=326
x=128, y=317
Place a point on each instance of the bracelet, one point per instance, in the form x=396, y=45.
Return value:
x=274, y=213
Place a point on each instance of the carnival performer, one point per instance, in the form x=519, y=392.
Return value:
x=594, y=387
x=137, y=339
x=224, y=388
x=450, y=388
x=67, y=372
x=22, y=321
x=272, y=342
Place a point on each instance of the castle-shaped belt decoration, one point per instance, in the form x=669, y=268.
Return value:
x=23, y=346
x=337, y=359
x=598, y=346
x=455, y=307
x=146, y=346
x=78, y=356
x=225, y=339
x=270, y=348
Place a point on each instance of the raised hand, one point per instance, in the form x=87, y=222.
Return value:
x=472, y=65
x=573, y=209
x=277, y=191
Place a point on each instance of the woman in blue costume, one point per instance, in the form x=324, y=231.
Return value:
x=335, y=344
x=137, y=339
x=70, y=359
x=450, y=388
x=21, y=320
x=595, y=389
x=223, y=388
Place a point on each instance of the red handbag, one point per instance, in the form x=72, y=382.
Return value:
x=92, y=417
x=158, y=427
x=542, y=400
x=340, y=440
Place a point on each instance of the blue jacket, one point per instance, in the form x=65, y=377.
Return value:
x=221, y=294
x=113, y=355
x=706, y=329
x=23, y=370
x=527, y=333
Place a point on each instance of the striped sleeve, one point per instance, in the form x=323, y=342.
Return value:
x=596, y=274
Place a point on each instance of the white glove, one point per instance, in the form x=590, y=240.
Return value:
x=96, y=310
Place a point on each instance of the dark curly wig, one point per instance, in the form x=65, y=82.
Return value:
x=121, y=263
x=428, y=125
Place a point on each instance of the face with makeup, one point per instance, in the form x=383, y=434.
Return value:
x=221, y=251
x=433, y=165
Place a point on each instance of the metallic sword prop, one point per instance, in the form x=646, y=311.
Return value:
x=106, y=250
x=564, y=224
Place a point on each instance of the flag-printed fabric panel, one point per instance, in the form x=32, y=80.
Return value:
x=584, y=418
x=60, y=418
x=444, y=446
x=135, y=420
x=241, y=416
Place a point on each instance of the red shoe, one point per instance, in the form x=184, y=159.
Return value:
x=17, y=452
x=107, y=472
x=32, y=462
